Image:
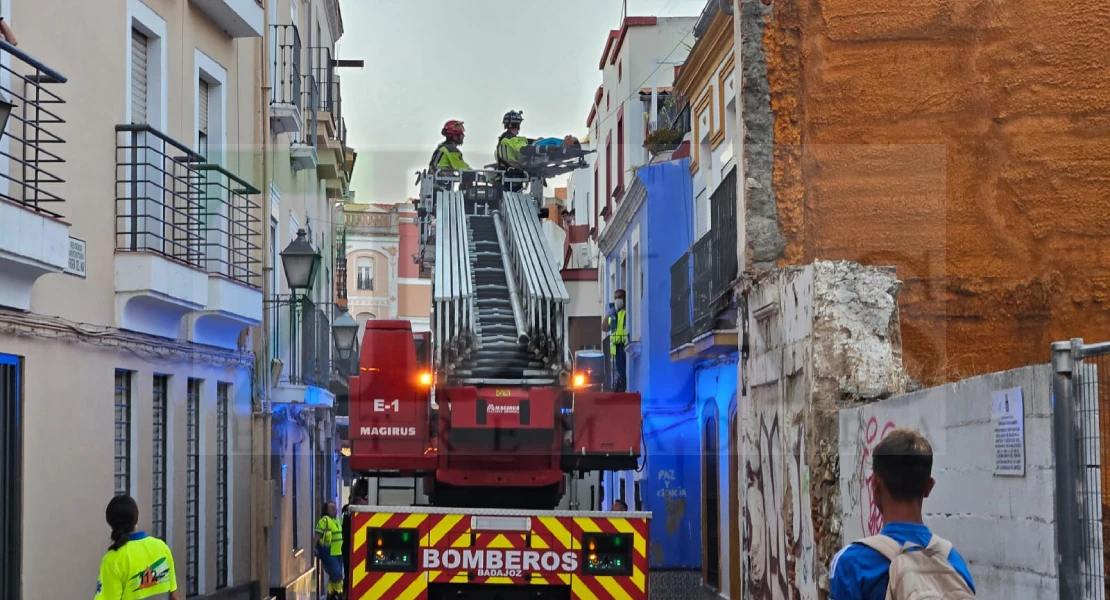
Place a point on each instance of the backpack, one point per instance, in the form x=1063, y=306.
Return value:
x=918, y=573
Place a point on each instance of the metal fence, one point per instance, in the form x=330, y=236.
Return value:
x=158, y=192
x=33, y=145
x=231, y=225
x=1081, y=378
x=682, y=331
x=311, y=100
x=307, y=336
x=287, y=66
x=715, y=262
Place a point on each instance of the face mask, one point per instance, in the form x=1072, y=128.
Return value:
x=620, y=303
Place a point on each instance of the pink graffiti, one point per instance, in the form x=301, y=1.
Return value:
x=871, y=520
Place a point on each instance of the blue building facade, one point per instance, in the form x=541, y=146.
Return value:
x=650, y=229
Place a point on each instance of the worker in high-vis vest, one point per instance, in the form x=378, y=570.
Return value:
x=136, y=565
x=616, y=326
x=329, y=541
x=447, y=156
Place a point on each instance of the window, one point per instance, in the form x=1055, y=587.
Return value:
x=140, y=77
x=609, y=174
x=123, y=432
x=202, y=118
x=620, y=71
x=365, y=273
x=597, y=197
x=192, y=488
x=160, y=452
x=620, y=153
x=296, y=498
x=710, y=483
x=701, y=214
x=11, y=461
x=221, y=484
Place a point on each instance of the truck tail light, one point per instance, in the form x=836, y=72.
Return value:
x=607, y=554
x=425, y=379
x=391, y=549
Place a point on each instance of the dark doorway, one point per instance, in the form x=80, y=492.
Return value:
x=11, y=462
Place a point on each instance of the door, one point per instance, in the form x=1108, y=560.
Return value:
x=733, y=507
x=140, y=52
x=11, y=461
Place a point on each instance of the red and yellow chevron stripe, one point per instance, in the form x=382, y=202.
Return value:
x=549, y=554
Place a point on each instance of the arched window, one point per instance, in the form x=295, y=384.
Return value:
x=366, y=273
x=710, y=481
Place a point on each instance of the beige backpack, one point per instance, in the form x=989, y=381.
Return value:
x=918, y=573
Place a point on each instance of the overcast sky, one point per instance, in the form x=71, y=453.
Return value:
x=428, y=61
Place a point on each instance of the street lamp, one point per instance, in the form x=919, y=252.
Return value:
x=301, y=262
x=345, y=333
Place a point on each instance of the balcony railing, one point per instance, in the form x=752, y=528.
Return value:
x=715, y=266
x=171, y=203
x=158, y=194
x=682, y=331
x=287, y=66
x=309, y=342
x=367, y=223
x=27, y=176
x=311, y=103
x=324, y=72
x=231, y=225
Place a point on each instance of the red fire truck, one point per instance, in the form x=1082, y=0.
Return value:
x=491, y=413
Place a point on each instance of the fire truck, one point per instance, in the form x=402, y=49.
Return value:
x=492, y=414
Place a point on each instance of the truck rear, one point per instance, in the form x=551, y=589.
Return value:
x=436, y=553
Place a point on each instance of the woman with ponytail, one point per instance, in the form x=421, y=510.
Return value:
x=136, y=566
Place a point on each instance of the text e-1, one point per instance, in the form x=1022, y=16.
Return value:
x=381, y=405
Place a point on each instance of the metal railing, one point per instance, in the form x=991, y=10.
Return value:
x=308, y=335
x=311, y=103
x=368, y=223
x=1081, y=378
x=287, y=66
x=324, y=72
x=26, y=177
x=682, y=331
x=453, y=296
x=715, y=266
x=231, y=225
x=158, y=192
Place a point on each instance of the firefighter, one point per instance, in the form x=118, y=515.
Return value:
x=617, y=328
x=329, y=541
x=447, y=155
x=136, y=566
x=509, y=146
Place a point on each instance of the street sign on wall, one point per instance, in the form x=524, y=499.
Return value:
x=76, y=258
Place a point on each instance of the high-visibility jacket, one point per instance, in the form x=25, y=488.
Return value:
x=331, y=534
x=141, y=568
x=448, y=156
x=508, y=150
x=619, y=336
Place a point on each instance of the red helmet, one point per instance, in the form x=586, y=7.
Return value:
x=453, y=129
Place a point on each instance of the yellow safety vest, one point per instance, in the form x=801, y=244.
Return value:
x=620, y=336
x=331, y=534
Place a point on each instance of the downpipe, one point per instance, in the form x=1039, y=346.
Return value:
x=514, y=294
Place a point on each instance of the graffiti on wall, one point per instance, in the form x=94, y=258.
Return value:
x=871, y=520
x=777, y=521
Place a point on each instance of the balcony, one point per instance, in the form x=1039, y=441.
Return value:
x=305, y=343
x=231, y=240
x=703, y=312
x=302, y=153
x=187, y=240
x=286, y=101
x=34, y=239
x=371, y=223
x=239, y=18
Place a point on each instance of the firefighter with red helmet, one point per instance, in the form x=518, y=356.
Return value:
x=447, y=155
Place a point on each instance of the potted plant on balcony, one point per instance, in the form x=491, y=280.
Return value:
x=663, y=140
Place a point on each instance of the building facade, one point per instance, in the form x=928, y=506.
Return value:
x=140, y=345
x=384, y=282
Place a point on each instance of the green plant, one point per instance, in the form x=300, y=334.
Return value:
x=662, y=140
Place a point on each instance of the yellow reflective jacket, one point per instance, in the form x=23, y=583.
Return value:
x=448, y=156
x=508, y=150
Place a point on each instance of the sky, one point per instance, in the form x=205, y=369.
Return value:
x=428, y=61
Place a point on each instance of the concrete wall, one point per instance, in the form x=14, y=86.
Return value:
x=965, y=139
x=1003, y=526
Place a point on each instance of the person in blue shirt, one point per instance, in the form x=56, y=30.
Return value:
x=902, y=465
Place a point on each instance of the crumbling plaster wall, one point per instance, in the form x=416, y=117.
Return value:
x=964, y=142
x=821, y=337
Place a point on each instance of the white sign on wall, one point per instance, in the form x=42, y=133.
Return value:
x=76, y=261
x=1008, y=419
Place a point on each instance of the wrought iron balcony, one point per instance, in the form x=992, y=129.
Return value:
x=231, y=225
x=303, y=152
x=287, y=99
x=158, y=196
x=304, y=338
x=34, y=240
x=682, y=329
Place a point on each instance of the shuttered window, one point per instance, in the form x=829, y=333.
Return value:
x=701, y=214
x=140, y=52
x=202, y=118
